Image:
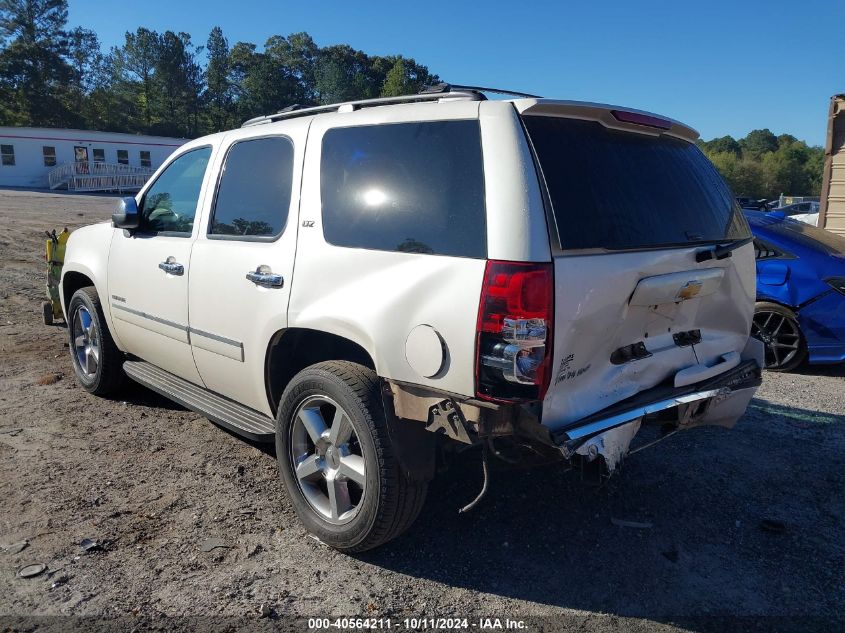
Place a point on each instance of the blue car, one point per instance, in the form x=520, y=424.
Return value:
x=800, y=310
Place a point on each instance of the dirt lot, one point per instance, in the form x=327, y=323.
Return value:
x=152, y=482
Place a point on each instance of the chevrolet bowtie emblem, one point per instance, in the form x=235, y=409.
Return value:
x=689, y=290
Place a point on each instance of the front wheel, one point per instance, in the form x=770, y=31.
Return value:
x=777, y=327
x=337, y=462
x=97, y=361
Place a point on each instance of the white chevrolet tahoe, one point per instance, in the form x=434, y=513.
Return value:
x=372, y=284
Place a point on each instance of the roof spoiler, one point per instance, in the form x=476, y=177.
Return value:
x=610, y=116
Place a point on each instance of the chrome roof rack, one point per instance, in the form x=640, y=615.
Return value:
x=428, y=93
x=297, y=110
x=446, y=88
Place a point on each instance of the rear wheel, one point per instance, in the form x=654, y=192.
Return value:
x=97, y=361
x=337, y=461
x=777, y=327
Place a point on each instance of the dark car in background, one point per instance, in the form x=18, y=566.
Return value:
x=751, y=204
x=799, y=208
x=800, y=309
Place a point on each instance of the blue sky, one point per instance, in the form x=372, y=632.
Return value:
x=723, y=67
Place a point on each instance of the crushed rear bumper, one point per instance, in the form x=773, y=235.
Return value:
x=719, y=400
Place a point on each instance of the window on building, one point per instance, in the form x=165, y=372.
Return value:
x=253, y=197
x=408, y=187
x=145, y=159
x=99, y=155
x=7, y=155
x=49, y=156
x=123, y=156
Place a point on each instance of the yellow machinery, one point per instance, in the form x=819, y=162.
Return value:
x=52, y=309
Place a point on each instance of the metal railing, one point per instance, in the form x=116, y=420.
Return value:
x=785, y=200
x=97, y=176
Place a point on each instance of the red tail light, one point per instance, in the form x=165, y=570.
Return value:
x=515, y=317
x=641, y=119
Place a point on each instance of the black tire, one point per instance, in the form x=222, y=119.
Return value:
x=392, y=499
x=777, y=327
x=107, y=376
x=47, y=312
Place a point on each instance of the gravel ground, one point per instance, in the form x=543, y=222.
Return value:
x=150, y=482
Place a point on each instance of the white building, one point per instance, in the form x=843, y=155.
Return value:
x=79, y=159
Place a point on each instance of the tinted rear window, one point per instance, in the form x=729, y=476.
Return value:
x=411, y=187
x=620, y=190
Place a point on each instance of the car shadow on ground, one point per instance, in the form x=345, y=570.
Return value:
x=138, y=395
x=836, y=371
x=735, y=523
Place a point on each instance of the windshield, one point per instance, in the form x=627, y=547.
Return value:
x=618, y=190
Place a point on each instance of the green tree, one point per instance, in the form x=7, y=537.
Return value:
x=262, y=83
x=218, y=81
x=112, y=104
x=759, y=142
x=86, y=61
x=34, y=75
x=135, y=64
x=178, y=86
x=397, y=81
x=722, y=144
x=297, y=53
x=344, y=74
x=155, y=83
x=763, y=165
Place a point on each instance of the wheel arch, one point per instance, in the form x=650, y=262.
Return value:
x=76, y=276
x=292, y=350
x=779, y=302
x=73, y=280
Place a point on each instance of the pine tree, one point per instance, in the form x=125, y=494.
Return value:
x=397, y=83
x=33, y=72
x=218, y=81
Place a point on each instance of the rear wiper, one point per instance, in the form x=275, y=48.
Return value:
x=720, y=251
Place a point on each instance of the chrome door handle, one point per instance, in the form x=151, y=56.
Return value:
x=264, y=276
x=171, y=267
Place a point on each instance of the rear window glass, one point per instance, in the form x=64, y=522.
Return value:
x=409, y=187
x=620, y=190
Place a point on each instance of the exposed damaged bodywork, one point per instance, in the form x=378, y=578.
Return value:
x=606, y=434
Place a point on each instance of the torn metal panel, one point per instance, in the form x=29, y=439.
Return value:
x=612, y=445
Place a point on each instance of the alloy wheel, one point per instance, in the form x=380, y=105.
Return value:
x=86, y=341
x=780, y=335
x=327, y=459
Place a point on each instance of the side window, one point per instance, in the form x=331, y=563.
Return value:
x=170, y=204
x=123, y=156
x=408, y=187
x=253, y=197
x=7, y=155
x=145, y=158
x=49, y=153
x=762, y=250
x=99, y=155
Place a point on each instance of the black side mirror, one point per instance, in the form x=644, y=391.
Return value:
x=126, y=216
